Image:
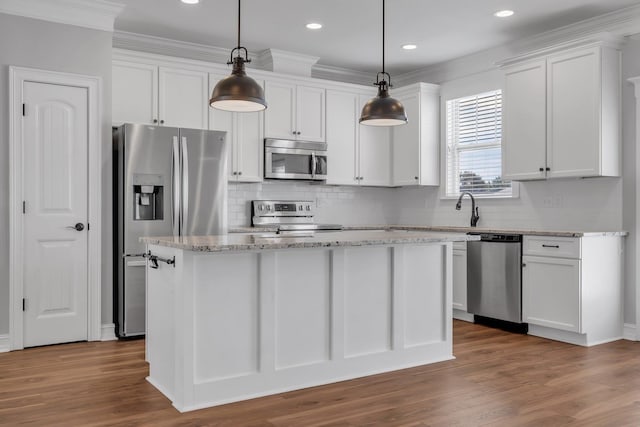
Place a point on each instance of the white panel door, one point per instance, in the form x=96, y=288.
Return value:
x=342, y=136
x=55, y=194
x=310, y=113
x=574, y=97
x=525, y=123
x=406, y=144
x=279, y=119
x=551, y=292
x=184, y=98
x=135, y=93
x=375, y=153
x=224, y=121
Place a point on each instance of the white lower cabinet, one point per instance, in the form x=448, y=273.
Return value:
x=572, y=288
x=460, y=276
x=551, y=292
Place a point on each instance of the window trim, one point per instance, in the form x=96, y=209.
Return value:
x=515, y=185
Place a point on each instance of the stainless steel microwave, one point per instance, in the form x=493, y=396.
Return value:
x=285, y=159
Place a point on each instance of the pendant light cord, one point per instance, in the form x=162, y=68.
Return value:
x=239, y=23
x=383, y=36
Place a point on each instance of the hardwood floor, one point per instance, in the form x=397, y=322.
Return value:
x=498, y=379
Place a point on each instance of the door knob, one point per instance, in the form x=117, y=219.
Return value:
x=78, y=227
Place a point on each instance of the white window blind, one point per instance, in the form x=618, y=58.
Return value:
x=474, y=151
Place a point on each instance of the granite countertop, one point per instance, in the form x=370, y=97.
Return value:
x=456, y=229
x=242, y=242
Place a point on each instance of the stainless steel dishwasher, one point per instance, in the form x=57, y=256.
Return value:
x=494, y=277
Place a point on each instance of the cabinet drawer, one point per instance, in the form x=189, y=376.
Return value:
x=559, y=247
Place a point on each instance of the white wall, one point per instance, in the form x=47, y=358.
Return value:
x=38, y=44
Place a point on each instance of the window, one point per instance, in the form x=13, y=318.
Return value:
x=474, y=151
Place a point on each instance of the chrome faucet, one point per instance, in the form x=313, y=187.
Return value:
x=474, y=210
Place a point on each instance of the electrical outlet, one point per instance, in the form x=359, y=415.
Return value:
x=547, y=202
x=558, y=201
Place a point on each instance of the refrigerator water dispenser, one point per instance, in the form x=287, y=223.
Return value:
x=148, y=194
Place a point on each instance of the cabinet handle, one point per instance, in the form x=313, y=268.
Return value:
x=551, y=246
x=548, y=169
x=541, y=169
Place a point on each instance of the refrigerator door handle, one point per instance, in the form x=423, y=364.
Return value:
x=175, y=184
x=185, y=187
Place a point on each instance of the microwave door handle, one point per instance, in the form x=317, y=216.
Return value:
x=175, y=186
x=313, y=164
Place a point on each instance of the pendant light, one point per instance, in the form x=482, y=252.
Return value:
x=238, y=92
x=383, y=110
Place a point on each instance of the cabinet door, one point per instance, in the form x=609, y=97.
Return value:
x=406, y=144
x=460, y=279
x=135, y=93
x=184, y=98
x=551, y=292
x=250, y=146
x=574, y=90
x=224, y=121
x=525, y=126
x=374, y=148
x=310, y=113
x=280, y=113
x=342, y=135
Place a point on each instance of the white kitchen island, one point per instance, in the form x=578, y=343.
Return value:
x=242, y=316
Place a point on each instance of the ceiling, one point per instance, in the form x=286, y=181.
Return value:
x=352, y=29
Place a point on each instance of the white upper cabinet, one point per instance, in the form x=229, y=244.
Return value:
x=374, y=148
x=342, y=137
x=135, y=93
x=524, y=149
x=562, y=115
x=183, y=98
x=146, y=93
x=295, y=111
x=415, y=147
x=357, y=154
x=245, y=135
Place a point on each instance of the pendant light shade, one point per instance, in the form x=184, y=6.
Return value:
x=238, y=92
x=383, y=110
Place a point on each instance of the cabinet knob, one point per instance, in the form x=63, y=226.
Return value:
x=541, y=169
x=240, y=173
x=548, y=169
x=299, y=133
x=155, y=120
x=416, y=178
x=161, y=122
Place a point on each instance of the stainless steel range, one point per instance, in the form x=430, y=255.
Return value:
x=288, y=216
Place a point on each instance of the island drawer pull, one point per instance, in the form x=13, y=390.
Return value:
x=551, y=246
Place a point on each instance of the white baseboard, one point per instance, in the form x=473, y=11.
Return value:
x=4, y=343
x=629, y=332
x=108, y=332
x=462, y=315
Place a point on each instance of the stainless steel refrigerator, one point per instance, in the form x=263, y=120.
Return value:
x=167, y=182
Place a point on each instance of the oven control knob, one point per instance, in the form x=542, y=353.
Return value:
x=308, y=207
x=300, y=207
x=260, y=207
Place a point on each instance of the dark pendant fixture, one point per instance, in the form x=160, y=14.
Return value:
x=383, y=110
x=238, y=92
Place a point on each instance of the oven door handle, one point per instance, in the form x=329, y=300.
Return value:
x=313, y=164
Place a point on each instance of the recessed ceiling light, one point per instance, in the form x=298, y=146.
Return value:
x=314, y=26
x=503, y=13
x=409, y=46
x=190, y=1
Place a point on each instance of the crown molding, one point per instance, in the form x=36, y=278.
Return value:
x=329, y=72
x=280, y=61
x=94, y=14
x=169, y=47
x=618, y=24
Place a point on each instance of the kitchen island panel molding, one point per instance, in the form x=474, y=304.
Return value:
x=224, y=327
